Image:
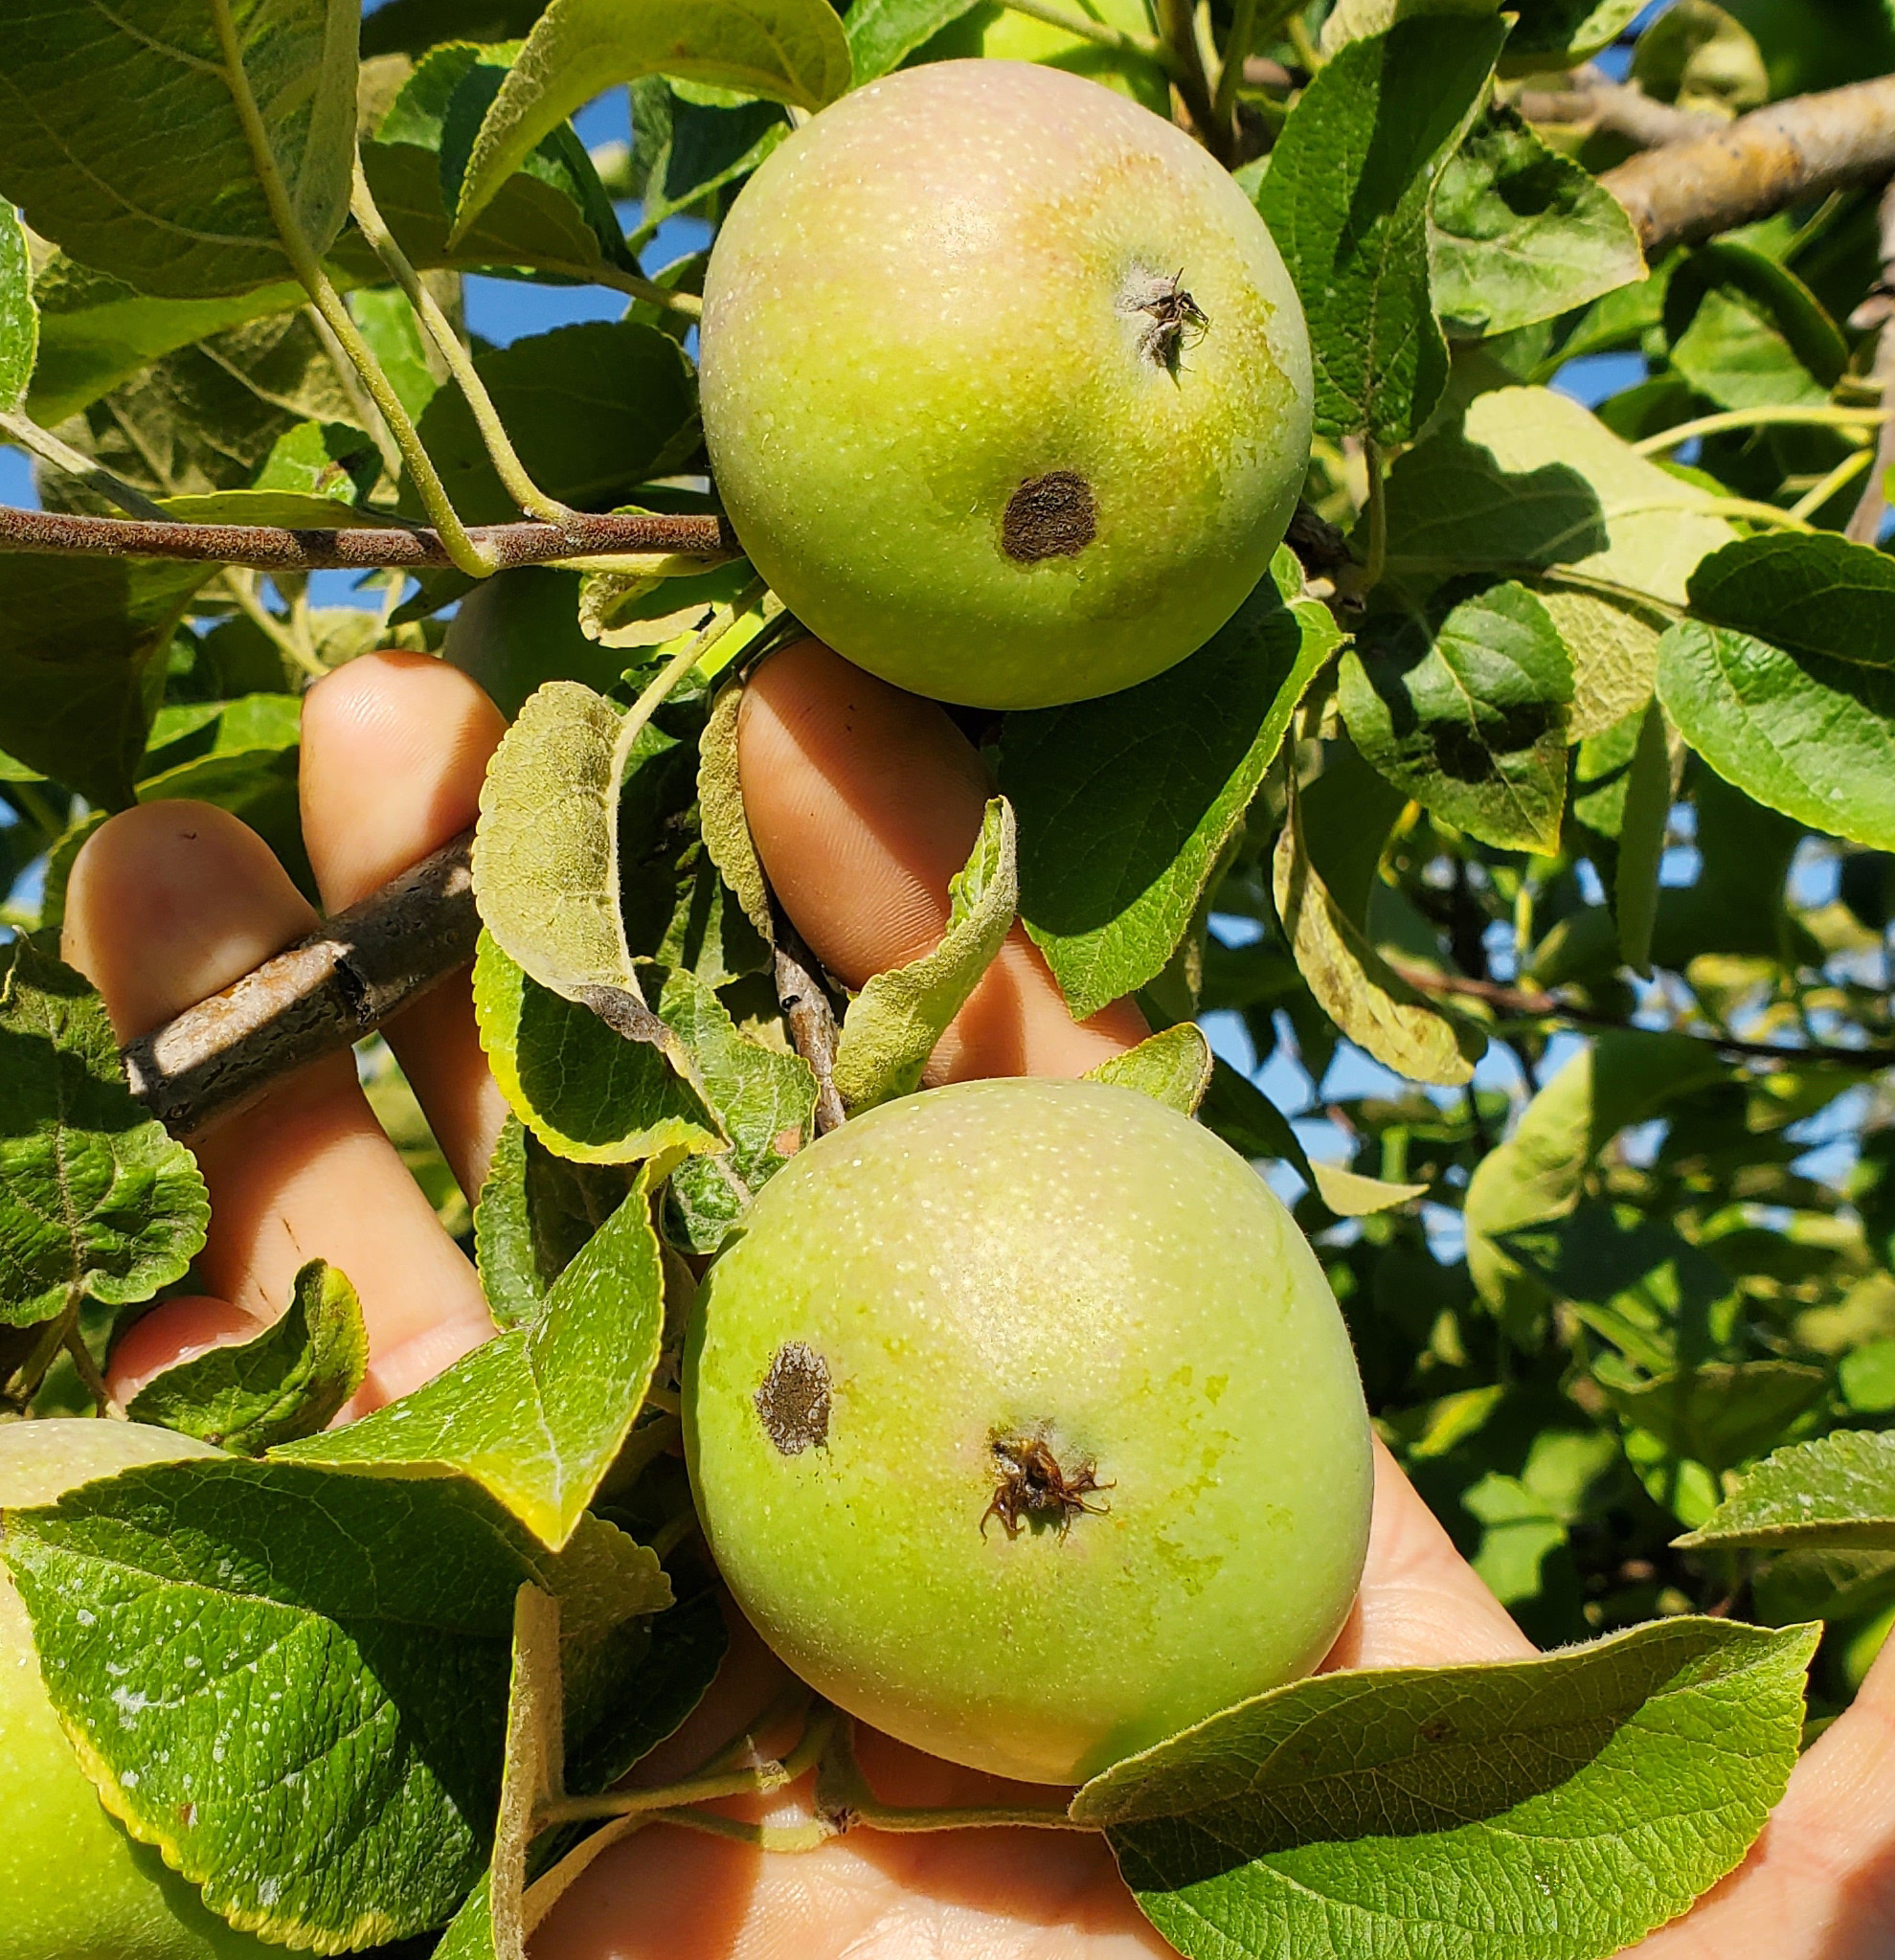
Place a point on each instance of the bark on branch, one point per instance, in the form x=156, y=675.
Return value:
x=1788, y=153
x=1616, y=108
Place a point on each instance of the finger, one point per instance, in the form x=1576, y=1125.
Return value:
x=864, y=802
x=179, y=1331
x=169, y=903
x=394, y=745
x=1421, y=1604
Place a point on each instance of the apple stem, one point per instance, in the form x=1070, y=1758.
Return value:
x=846, y=1801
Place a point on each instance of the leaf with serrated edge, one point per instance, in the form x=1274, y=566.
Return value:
x=537, y=1209
x=882, y=33
x=288, y=1382
x=19, y=317
x=1721, y=1412
x=720, y=808
x=1355, y=986
x=789, y=50
x=124, y=140
x=1345, y=197
x=1127, y=804
x=534, y=1769
x=1520, y=234
x=586, y=1090
x=1551, y=1809
x=1817, y=595
x=96, y=1200
x=535, y=1415
x=1349, y=1194
x=294, y=1682
x=1838, y=1491
x=1172, y=1066
x=1465, y=709
x=894, y=1022
x=1641, y=842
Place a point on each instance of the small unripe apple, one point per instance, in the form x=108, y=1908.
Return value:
x=1023, y=1425
x=1007, y=390
x=73, y=1884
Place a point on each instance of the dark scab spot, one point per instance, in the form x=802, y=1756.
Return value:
x=1052, y=516
x=793, y=1403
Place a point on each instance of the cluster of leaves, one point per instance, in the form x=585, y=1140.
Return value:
x=1576, y=718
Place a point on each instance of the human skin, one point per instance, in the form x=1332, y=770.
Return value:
x=864, y=802
x=1077, y=507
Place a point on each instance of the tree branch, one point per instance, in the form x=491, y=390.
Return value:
x=266, y=549
x=811, y=1021
x=1616, y=108
x=1791, y=153
x=315, y=999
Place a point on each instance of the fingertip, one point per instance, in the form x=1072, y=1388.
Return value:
x=173, y=1332
x=171, y=902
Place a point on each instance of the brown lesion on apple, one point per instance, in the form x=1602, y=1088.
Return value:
x=1030, y=1483
x=1053, y=517
x=793, y=1403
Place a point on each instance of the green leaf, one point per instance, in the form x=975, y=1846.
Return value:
x=294, y=1684
x=1235, y=1109
x=123, y=135
x=288, y=1382
x=1552, y=1808
x=1721, y=1414
x=1520, y=234
x=593, y=410
x=1380, y=1011
x=1817, y=595
x=1538, y=1173
x=586, y=1090
x=1838, y=1491
x=882, y=33
x=1641, y=838
x=685, y=1649
x=1347, y=197
x=1747, y=333
x=535, y=1415
x=1172, y=1066
x=535, y=1212
x=1811, y=737
x=720, y=807
x=894, y=1022
x=790, y=51
x=1349, y=1194
x=77, y=638
x=1561, y=34
x=1464, y=708
x=19, y=318
x=1697, y=56
x=533, y=1772
x=764, y=1098
x=412, y=27
x=1126, y=805
x=96, y=1200
x=1529, y=479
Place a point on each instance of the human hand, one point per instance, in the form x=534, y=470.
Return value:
x=864, y=802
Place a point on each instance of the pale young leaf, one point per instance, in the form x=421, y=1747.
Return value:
x=1349, y=1194
x=1380, y=1011
x=1172, y=1066
x=19, y=317
x=288, y=1382
x=533, y=1772
x=894, y=1022
x=720, y=808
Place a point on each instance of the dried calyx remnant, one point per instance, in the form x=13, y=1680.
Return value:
x=1052, y=516
x=1029, y=1483
x=1177, y=319
x=793, y=1403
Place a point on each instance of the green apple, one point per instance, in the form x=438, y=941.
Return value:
x=1000, y=35
x=1023, y=1425
x=72, y=1885
x=1007, y=390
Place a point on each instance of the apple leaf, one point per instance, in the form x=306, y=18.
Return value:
x=1349, y=1194
x=789, y=50
x=535, y=1415
x=1561, y=34
x=1463, y=705
x=1552, y=1808
x=288, y=1382
x=727, y=834
x=684, y=1649
x=1721, y=1414
x=96, y=1200
x=294, y=1684
x=883, y=34
x=1838, y=1491
x=1804, y=733
x=1819, y=596
x=1126, y=805
x=533, y=1771
x=1172, y=1066
x=537, y=1210
x=1746, y=332
x=1519, y=234
x=126, y=135
x=1235, y=1109
x=1380, y=1011
x=894, y=1022
x=1644, y=815
x=1529, y=479
x=1347, y=197
x=765, y=1100
x=19, y=318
